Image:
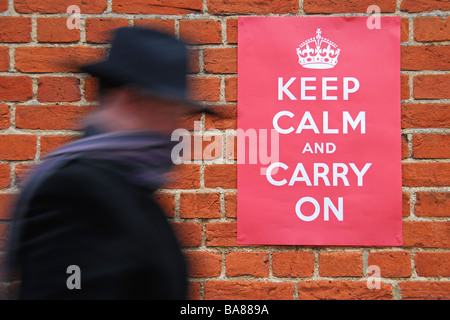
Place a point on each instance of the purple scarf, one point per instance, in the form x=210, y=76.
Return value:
x=142, y=158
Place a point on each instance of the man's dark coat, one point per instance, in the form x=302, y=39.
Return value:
x=85, y=213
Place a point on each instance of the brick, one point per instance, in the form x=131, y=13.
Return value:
x=431, y=146
x=167, y=202
x=425, y=57
x=220, y=176
x=3, y=5
x=231, y=89
x=230, y=205
x=424, y=5
x=430, y=115
x=248, y=290
x=5, y=116
x=5, y=175
x=100, y=30
x=59, y=6
x=404, y=30
x=194, y=290
x=4, y=59
x=405, y=147
x=252, y=6
x=204, y=89
x=254, y=264
x=425, y=290
x=15, y=88
x=406, y=203
x=345, y=6
x=432, y=28
x=175, y=7
x=184, y=176
x=223, y=60
x=340, y=264
x=163, y=25
x=15, y=29
x=91, y=86
x=432, y=204
x=7, y=201
x=404, y=90
x=50, y=117
x=35, y=59
x=189, y=234
x=203, y=264
x=293, y=264
x=49, y=143
x=342, y=290
x=426, y=174
x=232, y=30
x=200, y=205
x=201, y=31
x=392, y=264
x=55, y=30
x=432, y=86
x=17, y=147
x=189, y=122
x=426, y=234
x=432, y=264
x=58, y=89
x=221, y=234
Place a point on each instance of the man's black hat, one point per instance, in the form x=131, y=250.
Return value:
x=151, y=60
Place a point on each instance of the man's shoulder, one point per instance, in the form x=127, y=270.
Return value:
x=75, y=175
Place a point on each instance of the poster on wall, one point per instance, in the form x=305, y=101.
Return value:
x=319, y=136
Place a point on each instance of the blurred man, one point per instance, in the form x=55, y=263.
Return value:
x=86, y=225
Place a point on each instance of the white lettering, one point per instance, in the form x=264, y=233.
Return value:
x=325, y=124
x=277, y=117
x=304, y=176
x=325, y=88
x=304, y=88
x=361, y=173
x=338, y=171
x=299, y=213
x=347, y=90
x=374, y=20
x=73, y=281
x=269, y=170
x=338, y=213
x=361, y=118
x=307, y=117
x=327, y=203
x=284, y=89
x=322, y=175
x=341, y=175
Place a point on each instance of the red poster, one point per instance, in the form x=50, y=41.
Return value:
x=319, y=138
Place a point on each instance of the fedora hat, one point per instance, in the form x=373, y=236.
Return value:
x=153, y=61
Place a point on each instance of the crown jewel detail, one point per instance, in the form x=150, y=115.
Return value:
x=318, y=52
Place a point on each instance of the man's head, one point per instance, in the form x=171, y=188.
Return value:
x=143, y=82
x=128, y=108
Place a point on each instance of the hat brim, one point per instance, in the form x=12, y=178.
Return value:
x=121, y=76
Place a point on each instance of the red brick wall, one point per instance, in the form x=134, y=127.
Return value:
x=42, y=98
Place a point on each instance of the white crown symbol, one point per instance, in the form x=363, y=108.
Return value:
x=322, y=54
